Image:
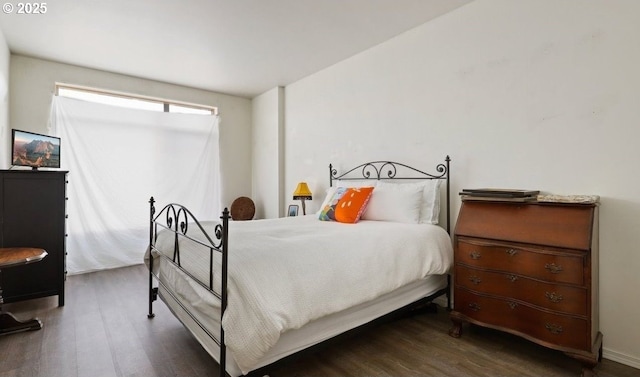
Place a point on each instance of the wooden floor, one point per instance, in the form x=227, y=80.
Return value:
x=103, y=331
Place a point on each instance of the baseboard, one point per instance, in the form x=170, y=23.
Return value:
x=632, y=361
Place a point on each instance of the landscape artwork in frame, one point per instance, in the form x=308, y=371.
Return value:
x=293, y=210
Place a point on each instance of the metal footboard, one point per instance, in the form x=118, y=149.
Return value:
x=178, y=219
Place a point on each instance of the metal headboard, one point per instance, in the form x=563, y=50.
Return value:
x=389, y=170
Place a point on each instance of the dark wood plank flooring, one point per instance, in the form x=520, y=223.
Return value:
x=103, y=331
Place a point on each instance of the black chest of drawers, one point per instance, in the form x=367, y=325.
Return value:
x=33, y=214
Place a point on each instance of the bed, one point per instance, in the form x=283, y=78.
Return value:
x=257, y=293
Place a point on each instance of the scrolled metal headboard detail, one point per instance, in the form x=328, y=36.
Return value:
x=378, y=168
x=389, y=170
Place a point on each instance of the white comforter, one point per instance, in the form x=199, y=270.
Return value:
x=284, y=273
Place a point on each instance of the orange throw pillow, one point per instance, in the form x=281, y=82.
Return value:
x=352, y=204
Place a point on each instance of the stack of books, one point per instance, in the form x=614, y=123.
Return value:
x=499, y=195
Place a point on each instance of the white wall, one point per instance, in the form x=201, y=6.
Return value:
x=5, y=130
x=268, y=153
x=536, y=94
x=33, y=83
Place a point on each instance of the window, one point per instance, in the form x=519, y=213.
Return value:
x=132, y=101
x=173, y=108
x=117, y=158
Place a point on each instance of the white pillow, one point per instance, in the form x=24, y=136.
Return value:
x=332, y=190
x=430, y=210
x=430, y=200
x=397, y=203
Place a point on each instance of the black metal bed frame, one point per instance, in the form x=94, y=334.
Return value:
x=177, y=219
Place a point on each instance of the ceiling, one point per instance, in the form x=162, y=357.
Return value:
x=238, y=47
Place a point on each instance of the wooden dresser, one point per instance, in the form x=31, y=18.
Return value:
x=530, y=269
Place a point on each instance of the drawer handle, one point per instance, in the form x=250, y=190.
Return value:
x=553, y=268
x=512, y=305
x=475, y=255
x=512, y=252
x=553, y=328
x=512, y=278
x=553, y=297
x=474, y=306
x=475, y=280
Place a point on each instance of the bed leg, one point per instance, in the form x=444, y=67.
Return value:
x=153, y=295
x=449, y=293
x=153, y=292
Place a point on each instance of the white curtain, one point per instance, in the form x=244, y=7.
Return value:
x=117, y=159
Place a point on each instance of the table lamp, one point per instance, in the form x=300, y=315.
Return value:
x=302, y=193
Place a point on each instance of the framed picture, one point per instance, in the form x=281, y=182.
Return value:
x=293, y=210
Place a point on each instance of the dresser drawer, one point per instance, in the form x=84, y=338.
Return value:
x=562, y=298
x=548, y=265
x=561, y=330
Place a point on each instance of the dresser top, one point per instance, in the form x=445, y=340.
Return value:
x=31, y=171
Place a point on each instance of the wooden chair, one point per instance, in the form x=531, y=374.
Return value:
x=11, y=257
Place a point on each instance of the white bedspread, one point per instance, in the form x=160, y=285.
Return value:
x=284, y=273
